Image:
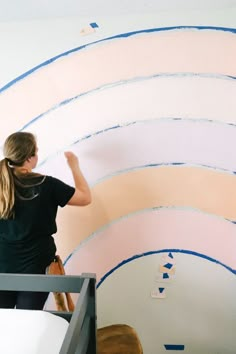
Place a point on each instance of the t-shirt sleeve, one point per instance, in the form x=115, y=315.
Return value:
x=62, y=192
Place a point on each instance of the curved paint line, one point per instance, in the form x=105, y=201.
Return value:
x=138, y=168
x=155, y=230
x=124, y=35
x=177, y=141
x=68, y=78
x=162, y=251
x=198, y=188
x=124, y=82
x=136, y=213
x=77, y=119
x=77, y=248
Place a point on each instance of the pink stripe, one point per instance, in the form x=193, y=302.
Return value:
x=189, y=144
x=160, y=229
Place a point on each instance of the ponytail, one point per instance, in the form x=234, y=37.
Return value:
x=17, y=149
x=7, y=190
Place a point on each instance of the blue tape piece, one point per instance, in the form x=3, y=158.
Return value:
x=174, y=347
x=93, y=25
x=170, y=255
x=161, y=290
x=168, y=265
x=165, y=276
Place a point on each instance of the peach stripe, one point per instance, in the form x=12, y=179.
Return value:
x=204, y=189
x=116, y=60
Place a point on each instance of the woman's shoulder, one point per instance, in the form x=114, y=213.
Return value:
x=52, y=181
x=55, y=183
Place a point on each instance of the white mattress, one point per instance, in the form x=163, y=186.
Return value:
x=31, y=332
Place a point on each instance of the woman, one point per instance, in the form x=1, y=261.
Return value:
x=28, y=209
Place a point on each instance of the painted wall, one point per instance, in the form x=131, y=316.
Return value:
x=148, y=104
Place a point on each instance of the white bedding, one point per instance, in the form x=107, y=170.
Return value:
x=31, y=332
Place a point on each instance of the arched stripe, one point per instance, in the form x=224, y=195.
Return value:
x=153, y=232
x=124, y=35
x=147, y=100
x=199, y=188
x=156, y=142
x=67, y=77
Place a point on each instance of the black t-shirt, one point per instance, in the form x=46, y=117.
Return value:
x=26, y=242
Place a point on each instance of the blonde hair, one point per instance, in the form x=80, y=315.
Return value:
x=18, y=147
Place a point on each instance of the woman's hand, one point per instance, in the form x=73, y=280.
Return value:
x=82, y=195
x=72, y=160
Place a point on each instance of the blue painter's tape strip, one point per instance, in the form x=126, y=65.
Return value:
x=192, y=253
x=94, y=25
x=123, y=35
x=174, y=347
x=168, y=265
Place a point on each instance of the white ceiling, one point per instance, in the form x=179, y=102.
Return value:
x=23, y=10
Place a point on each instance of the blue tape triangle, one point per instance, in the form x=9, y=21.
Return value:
x=93, y=25
x=168, y=265
x=165, y=275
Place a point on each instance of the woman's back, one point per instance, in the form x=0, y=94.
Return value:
x=26, y=239
x=28, y=209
